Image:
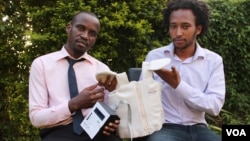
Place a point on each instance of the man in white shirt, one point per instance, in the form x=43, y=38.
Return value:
x=193, y=83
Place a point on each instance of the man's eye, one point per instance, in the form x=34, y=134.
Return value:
x=172, y=26
x=81, y=28
x=92, y=34
x=185, y=26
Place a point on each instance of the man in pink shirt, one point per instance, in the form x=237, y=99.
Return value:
x=50, y=105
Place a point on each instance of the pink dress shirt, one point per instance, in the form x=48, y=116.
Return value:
x=49, y=90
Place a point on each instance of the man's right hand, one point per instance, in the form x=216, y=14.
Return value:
x=87, y=98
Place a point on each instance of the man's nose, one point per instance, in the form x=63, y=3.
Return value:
x=84, y=34
x=179, y=31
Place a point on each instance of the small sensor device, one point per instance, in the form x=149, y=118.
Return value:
x=100, y=115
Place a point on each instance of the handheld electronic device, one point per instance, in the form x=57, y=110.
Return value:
x=97, y=118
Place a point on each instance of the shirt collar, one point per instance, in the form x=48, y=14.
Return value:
x=64, y=54
x=199, y=52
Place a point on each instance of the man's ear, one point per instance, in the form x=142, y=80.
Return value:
x=198, y=29
x=68, y=28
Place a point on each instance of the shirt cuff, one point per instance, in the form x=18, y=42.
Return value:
x=184, y=90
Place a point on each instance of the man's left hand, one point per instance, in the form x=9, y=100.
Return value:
x=111, y=127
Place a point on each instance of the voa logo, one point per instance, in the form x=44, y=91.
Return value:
x=236, y=132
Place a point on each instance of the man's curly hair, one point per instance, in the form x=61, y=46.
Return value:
x=200, y=10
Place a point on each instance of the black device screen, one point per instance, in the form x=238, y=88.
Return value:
x=99, y=114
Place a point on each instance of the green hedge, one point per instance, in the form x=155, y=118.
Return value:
x=229, y=36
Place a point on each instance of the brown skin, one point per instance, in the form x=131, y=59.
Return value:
x=82, y=34
x=183, y=33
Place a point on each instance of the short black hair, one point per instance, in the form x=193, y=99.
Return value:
x=199, y=8
x=86, y=12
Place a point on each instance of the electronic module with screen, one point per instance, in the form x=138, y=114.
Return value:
x=100, y=114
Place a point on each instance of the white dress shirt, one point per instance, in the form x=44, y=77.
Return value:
x=202, y=86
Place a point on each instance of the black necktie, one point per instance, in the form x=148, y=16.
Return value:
x=77, y=117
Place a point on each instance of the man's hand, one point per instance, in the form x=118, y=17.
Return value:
x=111, y=127
x=109, y=84
x=172, y=77
x=87, y=98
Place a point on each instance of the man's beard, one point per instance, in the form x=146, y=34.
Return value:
x=189, y=43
